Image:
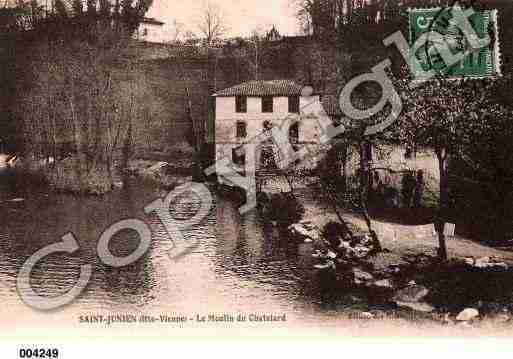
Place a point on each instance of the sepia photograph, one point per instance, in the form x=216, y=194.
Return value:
x=268, y=169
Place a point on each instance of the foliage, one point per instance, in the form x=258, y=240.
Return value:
x=451, y=117
x=78, y=82
x=86, y=18
x=481, y=172
x=285, y=209
x=436, y=113
x=335, y=232
x=63, y=177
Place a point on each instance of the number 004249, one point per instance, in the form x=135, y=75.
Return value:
x=39, y=353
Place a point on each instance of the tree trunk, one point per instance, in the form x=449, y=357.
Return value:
x=127, y=152
x=343, y=158
x=364, y=195
x=443, y=202
x=332, y=197
x=77, y=139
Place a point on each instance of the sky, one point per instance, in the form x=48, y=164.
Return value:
x=242, y=17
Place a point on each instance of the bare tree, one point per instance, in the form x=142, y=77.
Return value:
x=212, y=25
x=318, y=16
x=177, y=33
x=86, y=91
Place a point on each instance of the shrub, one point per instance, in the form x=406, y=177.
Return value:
x=180, y=149
x=285, y=209
x=335, y=232
x=63, y=177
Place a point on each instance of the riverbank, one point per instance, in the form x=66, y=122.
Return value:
x=406, y=279
x=166, y=170
x=402, y=240
x=160, y=173
x=240, y=266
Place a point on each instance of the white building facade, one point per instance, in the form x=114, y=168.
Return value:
x=151, y=30
x=244, y=111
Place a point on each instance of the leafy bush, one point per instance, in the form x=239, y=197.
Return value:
x=180, y=149
x=63, y=177
x=335, y=232
x=285, y=209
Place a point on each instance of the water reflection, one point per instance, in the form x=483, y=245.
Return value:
x=238, y=262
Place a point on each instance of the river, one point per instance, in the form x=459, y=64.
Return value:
x=240, y=265
x=236, y=265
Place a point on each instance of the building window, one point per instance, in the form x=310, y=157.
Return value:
x=267, y=104
x=241, y=104
x=294, y=135
x=293, y=104
x=368, y=152
x=239, y=156
x=241, y=129
x=410, y=152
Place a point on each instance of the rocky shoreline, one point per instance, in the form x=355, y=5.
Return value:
x=414, y=284
x=158, y=173
x=61, y=176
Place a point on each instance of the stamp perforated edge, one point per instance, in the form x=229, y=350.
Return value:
x=497, y=47
x=497, y=57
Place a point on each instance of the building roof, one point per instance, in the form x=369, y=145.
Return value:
x=152, y=21
x=262, y=88
x=330, y=103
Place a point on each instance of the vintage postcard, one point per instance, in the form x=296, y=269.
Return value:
x=285, y=168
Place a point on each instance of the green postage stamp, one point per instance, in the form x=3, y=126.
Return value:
x=454, y=43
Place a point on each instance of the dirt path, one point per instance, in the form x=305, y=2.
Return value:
x=406, y=241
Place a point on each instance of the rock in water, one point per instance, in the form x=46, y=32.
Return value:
x=500, y=266
x=470, y=261
x=331, y=255
x=419, y=307
x=3, y=160
x=411, y=297
x=490, y=263
x=327, y=265
x=309, y=226
x=157, y=167
x=304, y=232
x=317, y=254
x=384, y=284
x=16, y=200
x=361, y=277
x=502, y=318
x=361, y=251
x=467, y=314
x=411, y=294
x=482, y=262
